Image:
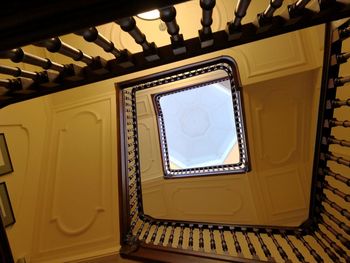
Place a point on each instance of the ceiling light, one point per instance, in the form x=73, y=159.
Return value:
x=150, y=15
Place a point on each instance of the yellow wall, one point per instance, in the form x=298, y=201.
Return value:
x=67, y=208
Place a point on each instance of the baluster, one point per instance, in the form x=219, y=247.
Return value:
x=266, y=16
x=162, y=237
x=130, y=110
x=311, y=250
x=332, y=140
x=131, y=168
x=339, y=103
x=263, y=246
x=132, y=185
x=341, y=81
x=298, y=8
x=133, y=203
x=190, y=239
x=339, y=223
x=297, y=253
x=17, y=72
x=56, y=45
x=133, y=213
x=140, y=229
x=233, y=27
x=336, y=248
x=335, y=122
x=145, y=235
x=326, y=171
x=131, y=176
x=237, y=245
x=132, y=150
x=344, y=33
x=340, y=58
x=250, y=244
x=205, y=34
x=336, y=191
x=325, y=248
x=131, y=143
x=223, y=241
x=92, y=35
x=334, y=205
x=181, y=237
x=278, y=246
x=131, y=130
x=168, y=16
x=171, y=237
x=212, y=240
x=337, y=159
x=154, y=235
x=134, y=222
x=11, y=84
x=18, y=55
x=337, y=235
x=128, y=24
x=201, y=238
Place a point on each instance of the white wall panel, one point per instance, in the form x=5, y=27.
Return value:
x=78, y=208
x=25, y=128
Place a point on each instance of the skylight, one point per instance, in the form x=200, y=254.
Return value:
x=198, y=117
x=200, y=122
x=199, y=126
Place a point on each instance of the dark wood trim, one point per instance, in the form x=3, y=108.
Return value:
x=137, y=151
x=178, y=70
x=159, y=130
x=123, y=181
x=25, y=22
x=249, y=33
x=327, y=93
x=186, y=172
x=249, y=228
x=151, y=253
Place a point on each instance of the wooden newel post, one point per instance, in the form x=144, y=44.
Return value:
x=205, y=34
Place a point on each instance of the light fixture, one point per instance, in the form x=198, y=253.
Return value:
x=150, y=15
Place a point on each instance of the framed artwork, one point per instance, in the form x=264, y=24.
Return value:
x=5, y=160
x=6, y=211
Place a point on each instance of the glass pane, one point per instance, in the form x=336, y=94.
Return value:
x=199, y=126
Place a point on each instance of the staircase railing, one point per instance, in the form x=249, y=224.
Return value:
x=324, y=237
x=56, y=20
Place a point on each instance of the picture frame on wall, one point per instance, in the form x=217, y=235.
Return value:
x=5, y=160
x=6, y=211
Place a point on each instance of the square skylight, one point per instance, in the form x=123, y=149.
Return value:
x=201, y=129
x=199, y=126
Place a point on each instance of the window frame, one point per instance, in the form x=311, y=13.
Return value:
x=235, y=168
x=224, y=63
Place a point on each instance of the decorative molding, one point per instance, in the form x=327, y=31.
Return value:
x=155, y=197
x=68, y=231
x=284, y=184
x=204, y=195
x=143, y=106
x=63, y=132
x=59, y=234
x=146, y=164
x=277, y=61
x=292, y=137
x=84, y=102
